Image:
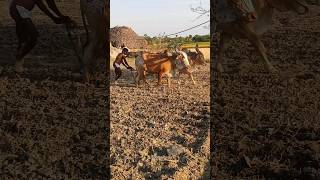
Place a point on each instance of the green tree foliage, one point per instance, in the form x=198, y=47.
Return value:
x=172, y=42
x=198, y=38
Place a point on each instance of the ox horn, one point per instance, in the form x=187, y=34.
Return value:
x=197, y=48
x=304, y=5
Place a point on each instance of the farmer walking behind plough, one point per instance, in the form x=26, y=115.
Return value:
x=121, y=59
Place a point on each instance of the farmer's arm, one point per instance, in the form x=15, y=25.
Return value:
x=44, y=9
x=125, y=63
x=57, y=20
x=52, y=5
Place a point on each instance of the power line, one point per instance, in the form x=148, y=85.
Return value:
x=188, y=29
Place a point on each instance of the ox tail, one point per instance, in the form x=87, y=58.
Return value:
x=82, y=8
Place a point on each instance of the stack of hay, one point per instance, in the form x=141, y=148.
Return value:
x=114, y=52
x=124, y=35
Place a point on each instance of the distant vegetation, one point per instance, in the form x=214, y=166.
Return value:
x=188, y=41
x=201, y=45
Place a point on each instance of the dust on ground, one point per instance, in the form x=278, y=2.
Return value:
x=267, y=126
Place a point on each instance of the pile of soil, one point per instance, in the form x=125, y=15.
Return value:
x=125, y=35
x=267, y=126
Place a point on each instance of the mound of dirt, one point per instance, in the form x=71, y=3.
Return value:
x=125, y=35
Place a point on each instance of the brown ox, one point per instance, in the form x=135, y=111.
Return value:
x=195, y=57
x=158, y=63
x=252, y=30
x=97, y=14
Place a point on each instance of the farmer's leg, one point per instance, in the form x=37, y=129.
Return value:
x=27, y=35
x=118, y=73
x=27, y=39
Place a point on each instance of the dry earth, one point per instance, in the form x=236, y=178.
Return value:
x=267, y=126
x=160, y=132
x=52, y=125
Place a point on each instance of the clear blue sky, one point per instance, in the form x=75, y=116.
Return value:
x=153, y=17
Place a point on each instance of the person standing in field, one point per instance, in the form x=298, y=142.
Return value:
x=20, y=11
x=121, y=59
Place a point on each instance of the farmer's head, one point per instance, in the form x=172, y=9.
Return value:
x=125, y=51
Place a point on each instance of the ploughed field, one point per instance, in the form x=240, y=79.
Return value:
x=160, y=132
x=52, y=125
x=267, y=126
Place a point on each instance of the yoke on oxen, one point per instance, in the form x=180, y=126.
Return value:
x=231, y=10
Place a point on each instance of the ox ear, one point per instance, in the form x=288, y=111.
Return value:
x=299, y=6
x=122, y=46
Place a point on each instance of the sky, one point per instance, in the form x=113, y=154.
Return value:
x=154, y=17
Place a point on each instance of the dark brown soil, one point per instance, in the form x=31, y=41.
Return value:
x=160, y=133
x=52, y=125
x=267, y=126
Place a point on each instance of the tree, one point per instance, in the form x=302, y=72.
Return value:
x=147, y=38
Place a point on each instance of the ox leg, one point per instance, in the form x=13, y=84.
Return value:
x=145, y=78
x=257, y=43
x=87, y=57
x=160, y=76
x=178, y=78
x=137, y=78
x=90, y=60
x=186, y=71
x=191, y=77
x=224, y=41
x=169, y=79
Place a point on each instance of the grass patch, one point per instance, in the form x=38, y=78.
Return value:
x=193, y=45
